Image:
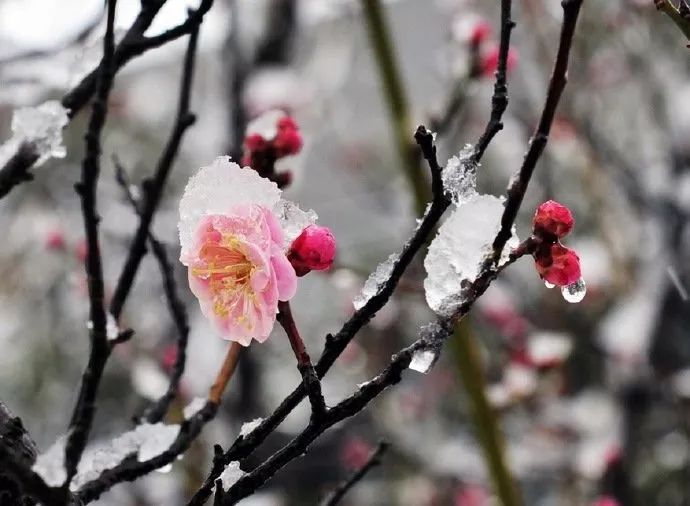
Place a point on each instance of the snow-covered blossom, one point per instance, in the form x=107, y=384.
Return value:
x=232, y=235
x=313, y=250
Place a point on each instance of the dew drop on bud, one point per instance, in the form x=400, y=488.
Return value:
x=574, y=292
x=548, y=285
x=423, y=360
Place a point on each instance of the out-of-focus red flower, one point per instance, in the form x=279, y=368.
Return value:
x=355, y=453
x=81, y=250
x=488, y=62
x=471, y=495
x=479, y=32
x=288, y=140
x=605, y=500
x=313, y=250
x=560, y=266
x=552, y=219
x=55, y=240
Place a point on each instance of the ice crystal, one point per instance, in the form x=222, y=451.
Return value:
x=230, y=475
x=293, y=220
x=433, y=335
x=423, y=360
x=41, y=125
x=460, y=176
x=250, y=426
x=50, y=465
x=112, y=331
x=375, y=280
x=456, y=254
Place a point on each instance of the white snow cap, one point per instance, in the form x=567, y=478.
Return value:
x=219, y=187
x=461, y=245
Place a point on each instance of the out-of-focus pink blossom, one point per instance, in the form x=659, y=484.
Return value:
x=313, y=250
x=239, y=272
x=355, y=452
x=471, y=495
x=81, y=250
x=488, y=63
x=552, y=218
x=560, y=267
x=479, y=32
x=55, y=239
x=288, y=140
x=605, y=500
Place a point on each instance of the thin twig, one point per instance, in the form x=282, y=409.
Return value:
x=374, y=460
x=306, y=368
x=225, y=373
x=133, y=44
x=518, y=187
x=82, y=416
x=153, y=189
x=156, y=412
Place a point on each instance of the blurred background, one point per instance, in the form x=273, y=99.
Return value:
x=593, y=398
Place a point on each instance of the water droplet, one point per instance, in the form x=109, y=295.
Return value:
x=574, y=292
x=548, y=285
x=423, y=360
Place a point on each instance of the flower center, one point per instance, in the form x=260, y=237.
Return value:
x=228, y=271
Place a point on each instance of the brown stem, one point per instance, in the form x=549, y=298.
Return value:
x=306, y=368
x=225, y=373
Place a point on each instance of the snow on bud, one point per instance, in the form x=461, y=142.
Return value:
x=553, y=219
x=558, y=265
x=313, y=250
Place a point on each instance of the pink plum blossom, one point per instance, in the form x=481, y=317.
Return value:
x=235, y=231
x=239, y=272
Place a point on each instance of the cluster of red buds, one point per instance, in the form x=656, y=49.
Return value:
x=485, y=51
x=261, y=154
x=555, y=263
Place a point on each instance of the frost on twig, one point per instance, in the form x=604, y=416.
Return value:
x=456, y=254
x=377, y=278
x=146, y=441
x=42, y=127
x=459, y=176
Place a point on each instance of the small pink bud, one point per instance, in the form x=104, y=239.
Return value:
x=489, y=61
x=553, y=219
x=480, y=32
x=55, y=240
x=355, y=452
x=558, y=265
x=313, y=250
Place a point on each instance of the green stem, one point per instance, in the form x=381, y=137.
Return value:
x=380, y=39
x=467, y=357
x=672, y=12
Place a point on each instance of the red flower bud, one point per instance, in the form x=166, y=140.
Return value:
x=288, y=141
x=488, y=63
x=480, y=32
x=558, y=265
x=553, y=219
x=254, y=142
x=55, y=239
x=313, y=250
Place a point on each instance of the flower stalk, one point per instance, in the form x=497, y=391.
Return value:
x=232, y=357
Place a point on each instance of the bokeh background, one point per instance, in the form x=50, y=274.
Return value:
x=593, y=397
